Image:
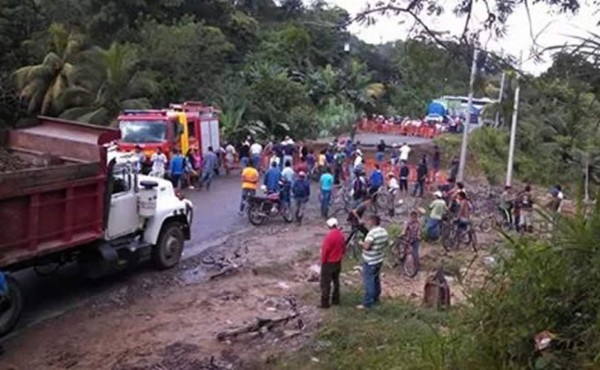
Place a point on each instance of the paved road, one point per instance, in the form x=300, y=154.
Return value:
x=215, y=216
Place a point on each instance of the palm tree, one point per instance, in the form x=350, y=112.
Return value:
x=41, y=84
x=118, y=86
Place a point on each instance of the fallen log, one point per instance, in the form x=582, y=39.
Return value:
x=258, y=325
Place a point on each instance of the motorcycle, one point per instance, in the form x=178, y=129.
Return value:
x=261, y=207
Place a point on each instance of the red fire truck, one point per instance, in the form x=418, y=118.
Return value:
x=181, y=126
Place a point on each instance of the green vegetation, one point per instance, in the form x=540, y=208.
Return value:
x=535, y=286
x=394, y=335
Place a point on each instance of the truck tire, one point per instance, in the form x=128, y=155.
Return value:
x=10, y=315
x=167, y=252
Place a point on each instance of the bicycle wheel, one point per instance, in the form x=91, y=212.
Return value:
x=487, y=224
x=473, y=237
x=382, y=200
x=448, y=236
x=354, y=247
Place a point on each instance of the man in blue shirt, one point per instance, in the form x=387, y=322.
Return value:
x=209, y=164
x=301, y=191
x=326, y=183
x=375, y=180
x=272, y=177
x=176, y=168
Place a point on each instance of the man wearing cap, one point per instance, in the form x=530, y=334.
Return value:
x=332, y=252
x=437, y=210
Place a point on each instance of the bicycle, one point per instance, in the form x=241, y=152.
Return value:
x=452, y=237
x=403, y=256
x=495, y=221
x=352, y=244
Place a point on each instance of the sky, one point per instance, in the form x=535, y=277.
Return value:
x=547, y=28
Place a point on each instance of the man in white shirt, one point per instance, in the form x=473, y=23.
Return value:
x=159, y=163
x=404, y=152
x=255, y=153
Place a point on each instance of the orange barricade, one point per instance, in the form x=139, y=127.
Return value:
x=410, y=130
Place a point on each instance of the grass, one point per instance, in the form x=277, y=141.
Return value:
x=392, y=335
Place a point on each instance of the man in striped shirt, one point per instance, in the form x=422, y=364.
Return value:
x=373, y=251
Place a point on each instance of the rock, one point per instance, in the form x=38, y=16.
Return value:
x=283, y=285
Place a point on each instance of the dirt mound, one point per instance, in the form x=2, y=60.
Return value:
x=10, y=162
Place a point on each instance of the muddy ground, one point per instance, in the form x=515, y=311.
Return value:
x=170, y=320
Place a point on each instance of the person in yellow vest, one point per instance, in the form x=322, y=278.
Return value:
x=249, y=184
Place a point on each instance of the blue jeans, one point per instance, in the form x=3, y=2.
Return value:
x=325, y=201
x=207, y=178
x=245, y=194
x=371, y=283
x=256, y=162
x=415, y=252
x=244, y=162
x=419, y=188
x=288, y=158
x=379, y=157
x=433, y=229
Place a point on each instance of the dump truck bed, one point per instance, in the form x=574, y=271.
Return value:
x=58, y=202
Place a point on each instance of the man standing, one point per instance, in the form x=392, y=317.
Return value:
x=255, y=154
x=301, y=192
x=326, y=181
x=209, y=165
x=176, y=168
x=159, y=162
x=404, y=152
x=288, y=173
x=140, y=159
x=249, y=183
x=373, y=252
x=289, y=148
x=245, y=152
x=438, y=208
x=412, y=232
x=380, y=155
x=404, y=173
x=421, y=179
x=375, y=180
x=332, y=252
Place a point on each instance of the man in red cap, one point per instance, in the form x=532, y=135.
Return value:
x=332, y=252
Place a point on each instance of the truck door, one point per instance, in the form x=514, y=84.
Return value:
x=123, y=216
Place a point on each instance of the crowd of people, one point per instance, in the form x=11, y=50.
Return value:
x=341, y=166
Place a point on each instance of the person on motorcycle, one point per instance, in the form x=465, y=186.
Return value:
x=301, y=192
x=285, y=192
x=272, y=177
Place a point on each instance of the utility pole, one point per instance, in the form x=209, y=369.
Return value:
x=501, y=94
x=502, y=81
x=465, y=138
x=513, y=127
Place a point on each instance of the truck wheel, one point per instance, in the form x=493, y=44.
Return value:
x=11, y=306
x=167, y=253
